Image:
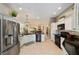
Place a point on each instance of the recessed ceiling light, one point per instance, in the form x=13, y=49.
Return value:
x=20, y=8
x=59, y=8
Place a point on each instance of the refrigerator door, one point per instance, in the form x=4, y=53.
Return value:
x=16, y=33
x=7, y=34
x=12, y=51
x=0, y=34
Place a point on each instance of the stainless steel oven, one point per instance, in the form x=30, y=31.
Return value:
x=61, y=27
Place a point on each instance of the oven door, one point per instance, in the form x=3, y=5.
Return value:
x=7, y=34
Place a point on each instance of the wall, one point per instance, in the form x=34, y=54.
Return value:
x=4, y=9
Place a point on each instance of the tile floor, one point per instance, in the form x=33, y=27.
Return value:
x=44, y=48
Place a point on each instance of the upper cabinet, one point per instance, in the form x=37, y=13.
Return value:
x=71, y=18
x=76, y=16
x=67, y=18
x=69, y=23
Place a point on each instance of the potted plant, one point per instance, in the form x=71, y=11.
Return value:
x=13, y=13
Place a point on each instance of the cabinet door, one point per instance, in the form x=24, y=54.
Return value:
x=76, y=17
x=53, y=27
x=68, y=23
x=53, y=30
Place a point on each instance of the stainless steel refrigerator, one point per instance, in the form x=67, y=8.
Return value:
x=9, y=36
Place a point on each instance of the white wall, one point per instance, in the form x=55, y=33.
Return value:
x=4, y=9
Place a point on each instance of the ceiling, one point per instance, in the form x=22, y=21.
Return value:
x=42, y=10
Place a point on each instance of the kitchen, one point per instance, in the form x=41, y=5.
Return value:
x=23, y=28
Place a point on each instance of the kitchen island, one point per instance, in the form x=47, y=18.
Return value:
x=30, y=38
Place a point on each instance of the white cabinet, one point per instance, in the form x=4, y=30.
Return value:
x=69, y=23
x=26, y=39
x=53, y=30
x=61, y=21
x=42, y=37
x=76, y=17
x=30, y=38
x=72, y=19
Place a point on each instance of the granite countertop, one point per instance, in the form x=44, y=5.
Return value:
x=30, y=34
x=75, y=43
x=71, y=32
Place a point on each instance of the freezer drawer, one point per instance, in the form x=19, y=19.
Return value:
x=12, y=51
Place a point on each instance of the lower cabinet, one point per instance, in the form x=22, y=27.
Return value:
x=30, y=38
x=57, y=40
x=70, y=48
x=26, y=39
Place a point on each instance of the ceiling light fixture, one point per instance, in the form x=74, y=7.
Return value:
x=59, y=8
x=20, y=8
